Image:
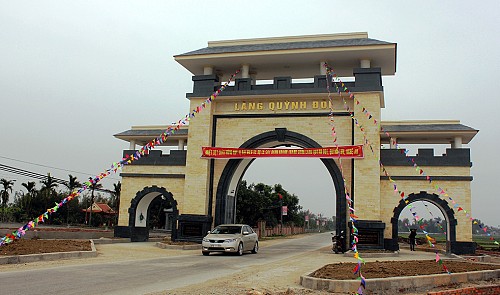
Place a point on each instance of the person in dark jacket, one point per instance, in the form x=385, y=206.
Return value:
x=412, y=236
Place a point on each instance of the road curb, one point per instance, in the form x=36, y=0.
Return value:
x=178, y=247
x=103, y=241
x=14, y=259
x=396, y=285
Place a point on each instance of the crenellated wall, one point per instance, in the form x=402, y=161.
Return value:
x=450, y=172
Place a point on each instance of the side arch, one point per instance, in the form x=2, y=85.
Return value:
x=139, y=212
x=235, y=169
x=449, y=215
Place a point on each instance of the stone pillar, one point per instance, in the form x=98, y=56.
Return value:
x=132, y=145
x=196, y=184
x=180, y=145
x=367, y=171
x=245, y=71
x=364, y=63
x=393, y=142
x=208, y=70
x=322, y=68
x=457, y=142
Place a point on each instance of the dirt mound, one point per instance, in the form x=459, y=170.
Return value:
x=386, y=269
x=23, y=247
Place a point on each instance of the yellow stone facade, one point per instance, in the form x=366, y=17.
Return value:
x=247, y=111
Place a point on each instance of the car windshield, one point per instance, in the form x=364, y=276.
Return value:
x=231, y=230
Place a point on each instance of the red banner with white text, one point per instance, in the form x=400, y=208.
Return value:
x=345, y=152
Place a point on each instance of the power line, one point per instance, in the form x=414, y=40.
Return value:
x=41, y=165
x=39, y=176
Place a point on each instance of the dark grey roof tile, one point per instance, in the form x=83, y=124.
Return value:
x=287, y=46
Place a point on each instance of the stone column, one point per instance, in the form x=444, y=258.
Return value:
x=457, y=142
x=180, y=145
x=364, y=63
x=367, y=170
x=132, y=145
x=322, y=68
x=393, y=142
x=208, y=70
x=245, y=71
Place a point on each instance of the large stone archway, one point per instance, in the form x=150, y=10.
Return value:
x=451, y=235
x=139, y=212
x=235, y=169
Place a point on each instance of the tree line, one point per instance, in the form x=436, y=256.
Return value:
x=431, y=225
x=256, y=202
x=32, y=201
x=439, y=225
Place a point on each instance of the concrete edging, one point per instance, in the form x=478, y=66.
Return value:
x=373, y=254
x=395, y=285
x=14, y=259
x=178, y=247
x=103, y=241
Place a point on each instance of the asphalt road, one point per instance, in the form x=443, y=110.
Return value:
x=150, y=275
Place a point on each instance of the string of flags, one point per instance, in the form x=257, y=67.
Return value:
x=418, y=169
x=404, y=151
x=357, y=269
x=352, y=217
x=128, y=159
x=363, y=130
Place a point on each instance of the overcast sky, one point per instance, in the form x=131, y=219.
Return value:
x=73, y=73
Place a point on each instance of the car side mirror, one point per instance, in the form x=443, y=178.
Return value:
x=245, y=233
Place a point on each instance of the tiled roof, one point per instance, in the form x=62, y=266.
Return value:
x=426, y=127
x=287, y=46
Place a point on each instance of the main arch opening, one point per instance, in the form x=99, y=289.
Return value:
x=303, y=178
x=234, y=170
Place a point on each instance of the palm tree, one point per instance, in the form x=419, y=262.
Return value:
x=48, y=188
x=117, y=189
x=71, y=185
x=7, y=186
x=93, y=186
x=30, y=187
x=117, y=192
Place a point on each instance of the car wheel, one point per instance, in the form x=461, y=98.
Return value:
x=205, y=253
x=240, y=249
x=255, y=248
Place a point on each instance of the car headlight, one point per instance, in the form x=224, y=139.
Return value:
x=205, y=240
x=229, y=240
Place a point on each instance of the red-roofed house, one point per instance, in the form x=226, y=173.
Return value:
x=104, y=211
x=100, y=208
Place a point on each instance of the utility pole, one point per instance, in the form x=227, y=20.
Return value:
x=281, y=213
x=281, y=208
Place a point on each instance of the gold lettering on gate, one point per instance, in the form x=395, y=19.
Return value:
x=286, y=105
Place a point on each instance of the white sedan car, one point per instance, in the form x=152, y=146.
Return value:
x=230, y=238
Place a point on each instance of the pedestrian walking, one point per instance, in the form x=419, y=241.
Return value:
x=412, y=236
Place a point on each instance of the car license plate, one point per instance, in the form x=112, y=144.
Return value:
x=215, y=245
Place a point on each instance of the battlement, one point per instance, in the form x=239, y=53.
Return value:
x=175, y=158
x=369, y=79
x=425, y=157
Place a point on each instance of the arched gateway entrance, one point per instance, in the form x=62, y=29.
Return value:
x=442, y=205
x=140, y=212
x=235, y=169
